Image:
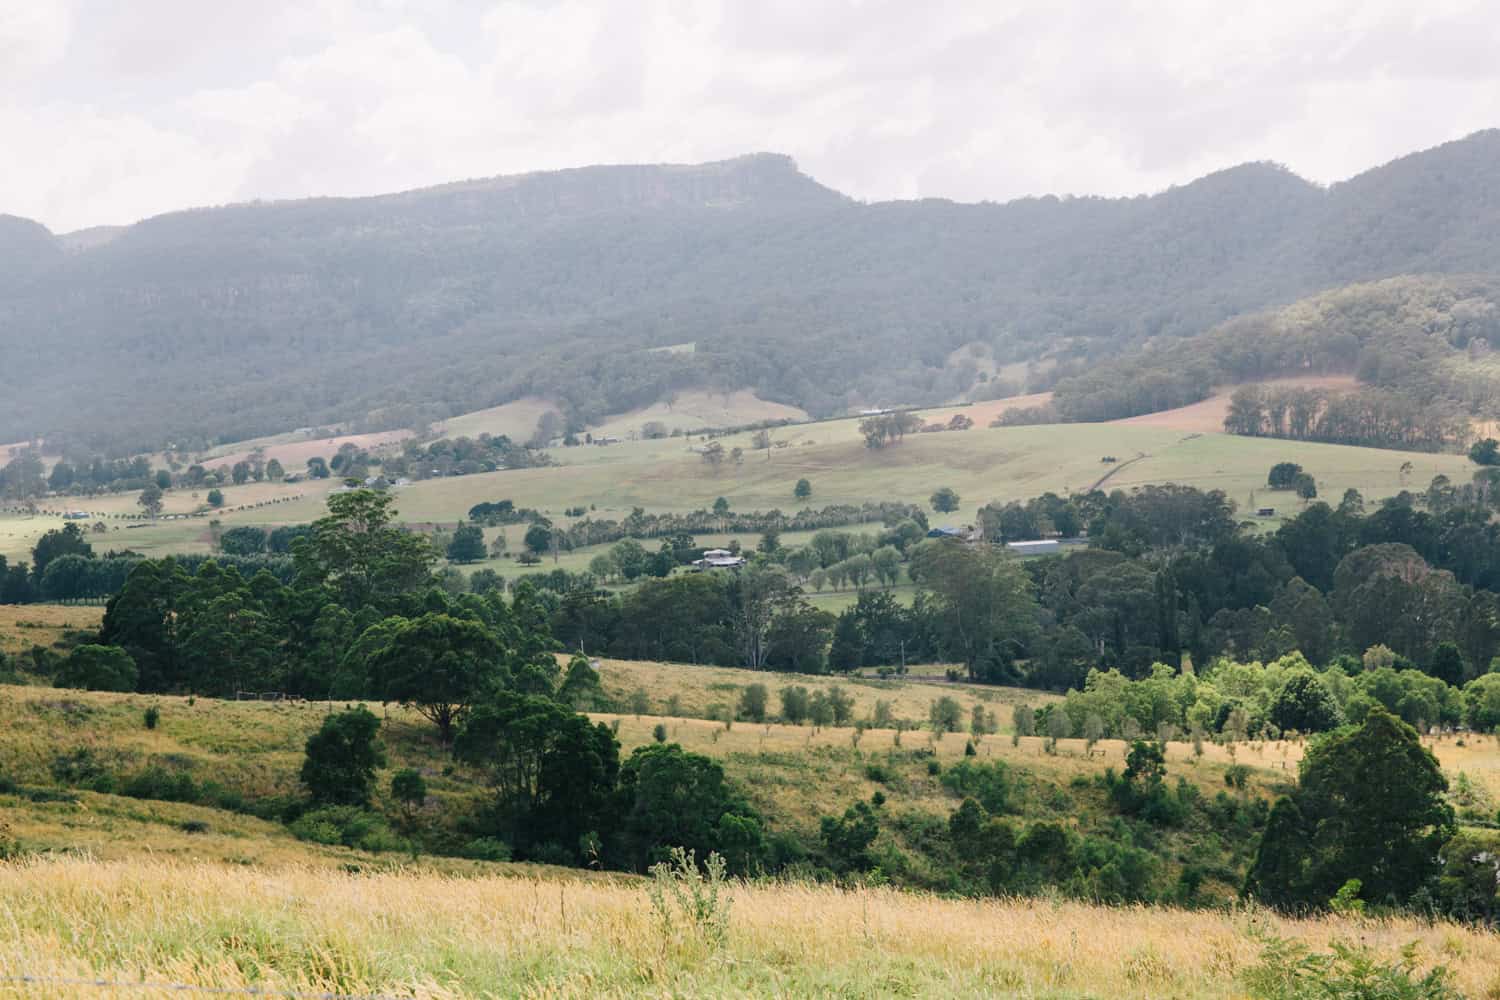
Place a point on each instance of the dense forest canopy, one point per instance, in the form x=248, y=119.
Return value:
x=231, y=322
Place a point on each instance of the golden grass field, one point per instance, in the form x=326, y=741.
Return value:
x=152, y=922
x=150, y=892
x=25, y=625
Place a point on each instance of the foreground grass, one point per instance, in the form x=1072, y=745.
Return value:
x=430, y=935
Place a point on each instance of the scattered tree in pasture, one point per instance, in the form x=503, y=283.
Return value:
x=945, y=500
x=1283, y=475
x=752, y=705
x=150, y=500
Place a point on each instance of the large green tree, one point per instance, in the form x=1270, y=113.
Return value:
x=467, y=544
x=553, y=772
x=65, y=541
x=438, y=664
x=361, y=555
x=981, y=601
x=1370, y=806
x=341, y=758
x=669, y=798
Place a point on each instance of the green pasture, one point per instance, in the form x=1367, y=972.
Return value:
x=983, y=464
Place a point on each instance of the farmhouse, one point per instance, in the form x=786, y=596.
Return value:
x=964, y=534
x=718, y=559
x=1036, y=548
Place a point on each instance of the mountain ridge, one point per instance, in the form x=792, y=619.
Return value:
x=222, y=323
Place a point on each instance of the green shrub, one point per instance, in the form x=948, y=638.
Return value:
x=98, y=668
x=156, y=782
x=487, y=849
x=80, y=768
x=350, y=826
x=989, y=784
x=1289, y=970
x=152, y=717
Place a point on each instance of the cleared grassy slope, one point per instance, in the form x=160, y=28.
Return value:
x=982, y=464
x=162, y=892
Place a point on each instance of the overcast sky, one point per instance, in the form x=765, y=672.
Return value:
x=113, y=111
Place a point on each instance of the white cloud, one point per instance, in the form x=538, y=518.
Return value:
x=177, y=103
x=32, y=37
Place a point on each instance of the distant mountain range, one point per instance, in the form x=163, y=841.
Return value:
x=225, y=323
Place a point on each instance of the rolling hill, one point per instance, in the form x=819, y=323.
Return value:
x=219, y=324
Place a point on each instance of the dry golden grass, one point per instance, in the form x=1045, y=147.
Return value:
x=25, y=625
x=432, y=936
x=697, y=688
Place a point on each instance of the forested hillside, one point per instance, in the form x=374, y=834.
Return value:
x=230, y=322
x=1422, y=345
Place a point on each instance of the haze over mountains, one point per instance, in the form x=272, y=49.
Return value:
x=226, y=323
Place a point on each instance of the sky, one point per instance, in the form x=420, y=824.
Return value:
x=111, y=112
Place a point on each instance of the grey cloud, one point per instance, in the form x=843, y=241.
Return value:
x=128, y=110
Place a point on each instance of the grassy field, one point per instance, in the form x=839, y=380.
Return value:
x=25, y=625
x=693, y=409
x=264, y=503
x=982, y=464
x=152, y=922
x=164, y=893
x=516, y=420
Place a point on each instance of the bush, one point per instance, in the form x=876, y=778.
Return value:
x=945, y=715
x=690, y=901
x=847, y=839
x=98, y=668
x=152, y=717
x=346, y=825
x=795, y=706
x=78, y=767
x=409, y=789
x=487, y=849
x=156, y=782
x=1289, y=970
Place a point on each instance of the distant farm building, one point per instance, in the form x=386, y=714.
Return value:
x=1039, y=547
x=1265, y=512
x=964, y=534
x=718, y=559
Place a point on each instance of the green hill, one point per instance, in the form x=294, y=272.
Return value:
x=235, y=322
